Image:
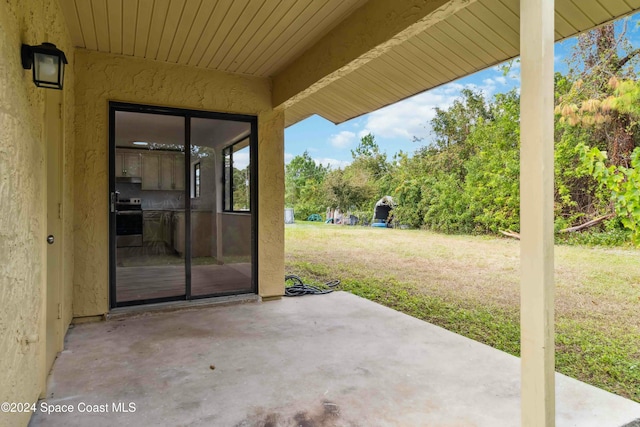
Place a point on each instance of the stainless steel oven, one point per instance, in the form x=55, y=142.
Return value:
x=129, y=223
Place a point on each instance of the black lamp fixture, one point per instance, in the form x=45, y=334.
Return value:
x=48, y=64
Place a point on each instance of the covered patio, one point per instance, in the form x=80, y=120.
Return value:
x=332, y=360
x=336, y=360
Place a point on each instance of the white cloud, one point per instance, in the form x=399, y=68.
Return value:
x=405, y=118
x=411, y=117
x=333, y=163
x=288, y=157
x=325, y=161
x=363, y=133
x=240, y=159
x=342, y=139
x=451, y=88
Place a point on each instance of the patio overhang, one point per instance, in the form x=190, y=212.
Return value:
x=453, y=40
x=376, y=28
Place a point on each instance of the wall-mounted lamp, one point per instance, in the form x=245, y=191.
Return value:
x=48, y=64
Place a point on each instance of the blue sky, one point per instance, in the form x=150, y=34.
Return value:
x=395, y=126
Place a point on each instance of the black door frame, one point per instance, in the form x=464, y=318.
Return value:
x=188, y=114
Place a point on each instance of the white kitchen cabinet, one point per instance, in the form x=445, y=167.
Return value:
x=128, y=164
x=166, y=172
x=162, y=171
x=178, y=171
x=151, y=171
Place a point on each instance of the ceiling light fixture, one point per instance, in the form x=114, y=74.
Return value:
x=140, y=143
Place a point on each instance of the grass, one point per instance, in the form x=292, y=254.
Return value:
x=470, y=285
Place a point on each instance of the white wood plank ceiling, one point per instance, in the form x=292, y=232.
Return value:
x=260, y=37
x=485, y=33
x=254, y=37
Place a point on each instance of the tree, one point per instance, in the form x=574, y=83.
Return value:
x=597, y=130
x=241, y=186
x=430, y=186
x=492, y=180
x=576, y=193
x=600, y=59
x=367, y=156
x=304, y=189
x=359, y=185
x=453, y=125
x=408, y=184
x=621, y=182
x=349, y=189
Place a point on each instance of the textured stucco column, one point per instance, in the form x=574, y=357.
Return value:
x=271, y=204
x=536, y=213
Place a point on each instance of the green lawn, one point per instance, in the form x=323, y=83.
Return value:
x=470, y=285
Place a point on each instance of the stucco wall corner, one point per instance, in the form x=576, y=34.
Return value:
x=23, y=195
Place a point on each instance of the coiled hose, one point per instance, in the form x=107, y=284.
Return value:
x=294, y=287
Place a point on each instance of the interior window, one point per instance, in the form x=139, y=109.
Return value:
x=196, y=180
x=237, y=177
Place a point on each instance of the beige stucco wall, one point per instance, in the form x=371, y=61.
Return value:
x=271, y=204
x=101, y=78
x=23, y=197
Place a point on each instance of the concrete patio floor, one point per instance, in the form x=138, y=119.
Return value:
x=332, y=360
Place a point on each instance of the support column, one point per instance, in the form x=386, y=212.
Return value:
x=536, y=213
x=271, y=204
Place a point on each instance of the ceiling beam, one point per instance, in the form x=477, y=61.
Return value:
x=364, y=35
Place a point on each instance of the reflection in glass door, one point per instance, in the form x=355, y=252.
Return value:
x=149, y=199
x=181, y=214
x=221, y=260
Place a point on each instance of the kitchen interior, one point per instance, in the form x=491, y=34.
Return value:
x=150, y=206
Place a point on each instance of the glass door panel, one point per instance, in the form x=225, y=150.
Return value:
x=181, y=222
x=149, y=207
x=221, y=235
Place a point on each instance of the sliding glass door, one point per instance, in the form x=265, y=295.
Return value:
x=181, y=197
x=221, y=256
x=149, y=190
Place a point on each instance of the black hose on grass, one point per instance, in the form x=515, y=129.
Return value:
x=298, y=288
